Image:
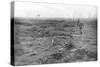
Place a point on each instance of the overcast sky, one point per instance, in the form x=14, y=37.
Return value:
x=33, y=10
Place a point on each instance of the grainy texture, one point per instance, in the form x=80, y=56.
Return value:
x=47, y=41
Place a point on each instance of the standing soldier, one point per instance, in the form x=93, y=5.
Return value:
x=80, y=25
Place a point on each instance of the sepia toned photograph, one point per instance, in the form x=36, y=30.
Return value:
x=50, y=33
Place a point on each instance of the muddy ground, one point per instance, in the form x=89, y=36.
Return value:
x=48, y=41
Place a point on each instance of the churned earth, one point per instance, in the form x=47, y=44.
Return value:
x=48, y=41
